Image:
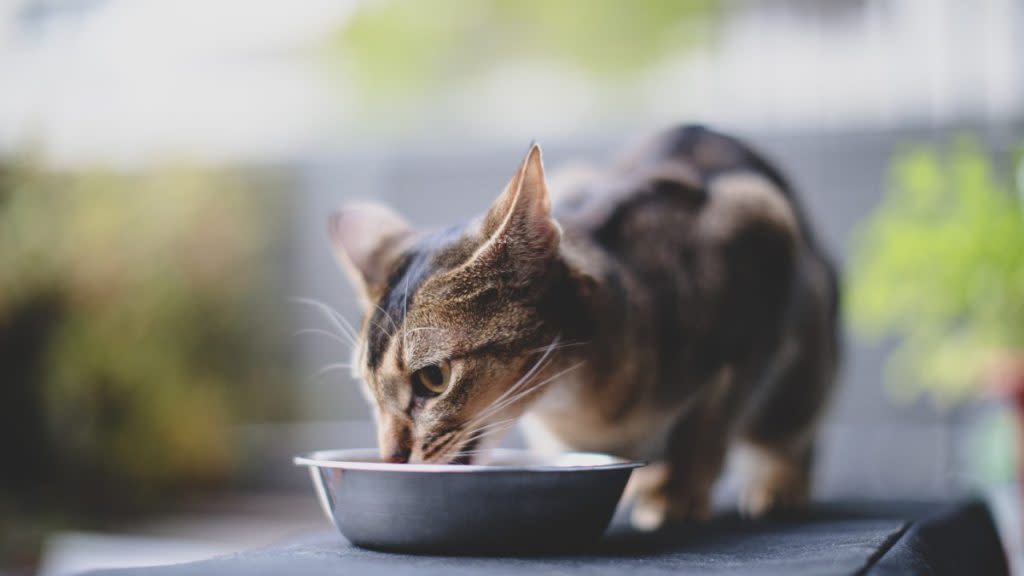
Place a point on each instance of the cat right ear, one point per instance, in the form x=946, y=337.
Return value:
x=366, y=239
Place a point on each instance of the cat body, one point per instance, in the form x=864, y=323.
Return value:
x=665, y=308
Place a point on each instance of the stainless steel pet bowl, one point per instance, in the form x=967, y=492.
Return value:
x=518, y=503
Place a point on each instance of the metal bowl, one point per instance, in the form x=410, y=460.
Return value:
x=518, y=503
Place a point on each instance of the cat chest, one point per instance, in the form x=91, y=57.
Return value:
x=569, y=418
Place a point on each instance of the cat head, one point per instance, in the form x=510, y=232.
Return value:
x=455, y=323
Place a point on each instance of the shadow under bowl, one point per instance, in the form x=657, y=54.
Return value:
x=519, y=503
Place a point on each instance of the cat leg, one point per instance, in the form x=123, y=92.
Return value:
x=774, y=478
x=776, y=433
x=679, y=489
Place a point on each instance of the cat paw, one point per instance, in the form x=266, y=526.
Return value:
x=648, y=513
x=771, y=484
x=756, y=501
x=759, y=501
x=653, y=510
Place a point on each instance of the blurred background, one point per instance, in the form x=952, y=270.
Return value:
x=167, y=167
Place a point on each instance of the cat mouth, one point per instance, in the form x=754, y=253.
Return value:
x=466, y=453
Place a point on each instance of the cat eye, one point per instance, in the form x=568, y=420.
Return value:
x=431, y=380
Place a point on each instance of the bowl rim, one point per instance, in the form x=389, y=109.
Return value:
x=336, y=459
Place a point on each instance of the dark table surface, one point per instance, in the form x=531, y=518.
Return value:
x=848, y=538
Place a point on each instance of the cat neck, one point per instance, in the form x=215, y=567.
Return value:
x=590, y=300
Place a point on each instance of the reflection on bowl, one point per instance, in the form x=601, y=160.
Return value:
x=520, y=502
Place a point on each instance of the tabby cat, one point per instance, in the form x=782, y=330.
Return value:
x=665, y=308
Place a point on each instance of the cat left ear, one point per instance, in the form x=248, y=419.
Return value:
x=366, y=239
x=518, y=226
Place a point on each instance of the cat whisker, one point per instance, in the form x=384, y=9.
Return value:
x=331, y=368
x=465, y=453
x=509, y=397
x=382, y=329
x=440, y=443
x=486, y=430
x=351, y=330
x=512, y=400
x=470, y=453
x=325, y=333
x=562, y=346
x=517, y=392
x=339, y=321
x=472, y=436
x=366, y=304
x=504, y=401
x=488, y=433
x=490, y=409
x=498, y=423
x=394, y=326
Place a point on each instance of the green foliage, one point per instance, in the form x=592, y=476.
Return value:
x=990, y=450
x=941, y=265
x=408, y=46
x=163, y=334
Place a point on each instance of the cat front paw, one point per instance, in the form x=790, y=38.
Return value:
x=771, y=483
x=759, y=500
x=654, y=510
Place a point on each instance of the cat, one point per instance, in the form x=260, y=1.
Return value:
x=665, y=308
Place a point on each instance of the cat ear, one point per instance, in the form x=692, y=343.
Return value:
x=365, y=239
x=518, y=229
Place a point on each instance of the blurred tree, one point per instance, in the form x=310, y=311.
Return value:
x=941, y=265
x=399, y=48
x=137, y=329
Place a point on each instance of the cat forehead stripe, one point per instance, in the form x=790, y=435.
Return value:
x=415, y=266
x=389, y=315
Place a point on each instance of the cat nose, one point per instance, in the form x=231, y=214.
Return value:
x=398, y=456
